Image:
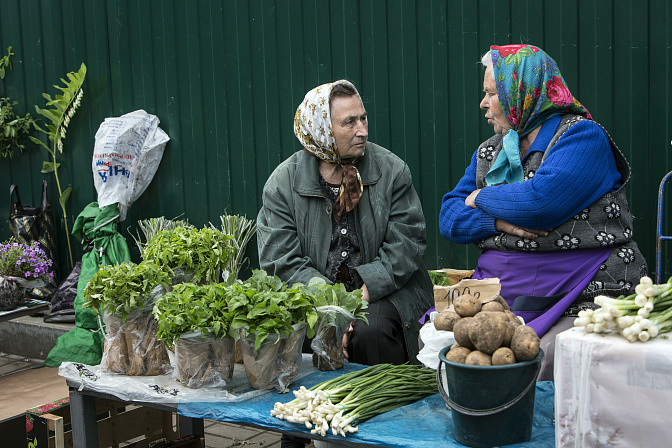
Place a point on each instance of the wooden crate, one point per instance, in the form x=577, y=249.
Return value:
x=136, y=426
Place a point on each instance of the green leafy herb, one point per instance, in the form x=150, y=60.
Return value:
x=203, y=252
x=122, y=288
x=193, y=308
x=264, y=305
x=150, y=227
x=439, y=278
x=336, y=295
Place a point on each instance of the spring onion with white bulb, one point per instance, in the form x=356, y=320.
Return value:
x=637, y=317
x=342, y=402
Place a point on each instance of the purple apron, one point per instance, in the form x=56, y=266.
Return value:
x=541, y=274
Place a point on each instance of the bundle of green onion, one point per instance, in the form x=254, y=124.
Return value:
x=637, y=317
x=352, y=398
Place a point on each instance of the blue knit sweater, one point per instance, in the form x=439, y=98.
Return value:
x=578, y=170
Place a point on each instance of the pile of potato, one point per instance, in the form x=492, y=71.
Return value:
x=486, y=332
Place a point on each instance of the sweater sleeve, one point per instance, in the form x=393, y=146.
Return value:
x=460, y=223
x=579, y=169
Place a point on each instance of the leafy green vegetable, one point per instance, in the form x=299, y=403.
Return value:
x=336, y=295
x=264, y=305
x=439, y=278
x=193, y=308
x=261, y=306
x=150, y=227
x=204, y=252
x=122, y=288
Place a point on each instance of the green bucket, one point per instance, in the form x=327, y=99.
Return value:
x=492, y=405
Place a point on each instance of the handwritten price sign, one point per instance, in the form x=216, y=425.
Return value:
x=481, y=289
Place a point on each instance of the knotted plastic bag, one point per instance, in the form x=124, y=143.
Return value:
x=126, y=155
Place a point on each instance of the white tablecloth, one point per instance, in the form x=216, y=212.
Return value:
x=610, y=392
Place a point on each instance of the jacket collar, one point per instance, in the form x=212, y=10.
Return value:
x=306, y=181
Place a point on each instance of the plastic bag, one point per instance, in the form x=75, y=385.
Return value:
x=333, y=322
x=276, y=363
x=164, y=388
x=62, y=304
x=35, y=224
x=131, y=347
x=126, y=155
x=434, y=341
x=202, y=361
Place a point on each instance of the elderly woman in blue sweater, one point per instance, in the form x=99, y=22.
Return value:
x=544, y=198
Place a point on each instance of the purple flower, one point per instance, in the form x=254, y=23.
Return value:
x=23, y=260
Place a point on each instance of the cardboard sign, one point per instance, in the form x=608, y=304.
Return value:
x=481, y=289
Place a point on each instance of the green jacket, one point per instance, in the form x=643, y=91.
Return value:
x=294, y=232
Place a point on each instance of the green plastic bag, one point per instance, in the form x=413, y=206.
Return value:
x=97, y=228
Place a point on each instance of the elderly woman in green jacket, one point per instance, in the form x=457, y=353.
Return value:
x=345, y=210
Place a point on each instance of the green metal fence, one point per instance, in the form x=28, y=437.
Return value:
x=225, y=77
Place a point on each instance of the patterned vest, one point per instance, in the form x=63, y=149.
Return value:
x=605, y=223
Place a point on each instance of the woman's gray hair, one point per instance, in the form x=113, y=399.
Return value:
x=486, y=60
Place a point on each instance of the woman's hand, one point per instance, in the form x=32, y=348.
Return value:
x=347, y=334
x=530, y=234
x=471, y=199
x=346, y=339
x=365, y=294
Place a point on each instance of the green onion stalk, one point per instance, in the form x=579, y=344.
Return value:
x=342, y=402
x=637, y=317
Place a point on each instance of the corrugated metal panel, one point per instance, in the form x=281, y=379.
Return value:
x=225, y=79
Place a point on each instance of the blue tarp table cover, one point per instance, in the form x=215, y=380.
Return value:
x=424, y=424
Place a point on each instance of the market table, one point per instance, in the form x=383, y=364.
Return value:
x=424, y=424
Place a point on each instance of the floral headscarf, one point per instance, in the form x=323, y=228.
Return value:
x=312, y=126
x=531, y=90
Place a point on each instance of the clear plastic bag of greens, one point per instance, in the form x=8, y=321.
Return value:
x=327, y=345
x=131, y=347
x=204, y=361
x=276, y=363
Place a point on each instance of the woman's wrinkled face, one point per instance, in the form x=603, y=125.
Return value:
x=490, y=104
x=350, y=125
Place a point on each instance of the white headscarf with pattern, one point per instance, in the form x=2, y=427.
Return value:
x=312, y=126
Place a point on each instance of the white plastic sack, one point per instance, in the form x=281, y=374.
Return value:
x=126, y=155
x=611, y=392
x=164, y=388
x=434, y=341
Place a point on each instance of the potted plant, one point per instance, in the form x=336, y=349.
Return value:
x=193, y=255
x=194, y=321
x=272, y=320
x=22, y=266
x=124, y=295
